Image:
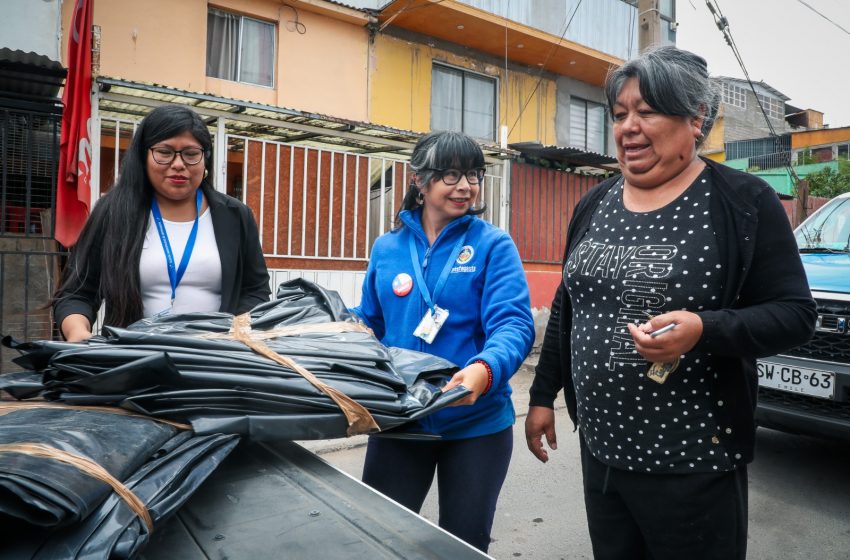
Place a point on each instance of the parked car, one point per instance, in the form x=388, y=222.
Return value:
x=807, y=390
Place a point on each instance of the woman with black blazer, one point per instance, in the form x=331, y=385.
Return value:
x=162, y=240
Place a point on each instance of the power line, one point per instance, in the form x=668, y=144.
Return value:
x=723, y=25
x=567, y=22
x=806, y=4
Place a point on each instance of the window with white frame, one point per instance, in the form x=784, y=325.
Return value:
x=734, y=95
x=240, y=48
x=463, y=101
x=774, y=107
x=587, y=125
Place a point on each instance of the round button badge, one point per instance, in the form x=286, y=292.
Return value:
x=402, y=284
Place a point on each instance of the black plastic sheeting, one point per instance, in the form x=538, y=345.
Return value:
x=163, y=368
x=51, y=510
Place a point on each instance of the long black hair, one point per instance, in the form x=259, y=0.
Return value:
x=440, y=150
x=115, y=231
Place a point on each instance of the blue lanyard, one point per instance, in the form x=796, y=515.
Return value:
x=174, y=276
x=444, y=275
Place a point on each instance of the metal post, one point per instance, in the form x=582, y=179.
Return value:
x=95, y=139
x=505, y=195
x=220, y=157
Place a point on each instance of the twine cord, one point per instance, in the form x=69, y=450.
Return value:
x=87, y=466
x=359, y=419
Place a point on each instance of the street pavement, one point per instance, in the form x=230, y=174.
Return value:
x=799, y=494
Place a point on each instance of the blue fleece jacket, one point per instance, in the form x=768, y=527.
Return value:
x=486, y=295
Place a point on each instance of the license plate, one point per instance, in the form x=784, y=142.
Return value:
x=812, y=382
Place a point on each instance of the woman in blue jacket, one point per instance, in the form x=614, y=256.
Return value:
x=450, y=284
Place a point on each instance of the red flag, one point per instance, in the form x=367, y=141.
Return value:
x=75, y=149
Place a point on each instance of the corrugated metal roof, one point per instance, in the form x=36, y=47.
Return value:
x=29, y=77
x=121, y=99
x=34, y=60
x=567, y=154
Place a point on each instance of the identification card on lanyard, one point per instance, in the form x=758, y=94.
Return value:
x=435, y=316
x=431, y=324
x=175, y=274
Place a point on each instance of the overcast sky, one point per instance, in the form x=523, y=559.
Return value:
x=783, y=43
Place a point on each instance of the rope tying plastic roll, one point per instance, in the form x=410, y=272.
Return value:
x=87, y=466
x=359, y=419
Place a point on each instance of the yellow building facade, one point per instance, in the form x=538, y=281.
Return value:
x=400, y=96
x=320, y=58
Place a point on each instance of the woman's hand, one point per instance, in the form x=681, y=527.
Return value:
x=76, y=328
x=540, y=422
x=474, y=377
x=667, y=346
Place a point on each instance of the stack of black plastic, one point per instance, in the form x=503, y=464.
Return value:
x=51, y=509
x=158, y=406
x=194, y=368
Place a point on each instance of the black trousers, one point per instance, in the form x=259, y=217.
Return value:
x=470, y=474
x=640, y=516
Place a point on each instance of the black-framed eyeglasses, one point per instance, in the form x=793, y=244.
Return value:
x=190, y=156
x=452, y=176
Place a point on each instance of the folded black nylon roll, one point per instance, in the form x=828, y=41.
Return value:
x=48, y=493
x=97, y=522
x=188, y=368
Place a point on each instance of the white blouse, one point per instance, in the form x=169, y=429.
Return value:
x=200, y=288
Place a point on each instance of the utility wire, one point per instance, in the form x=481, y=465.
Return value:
x=567, y=22
x=723, y=25
x=809, y=6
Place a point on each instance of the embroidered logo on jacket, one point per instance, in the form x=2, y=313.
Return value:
x=465, y=255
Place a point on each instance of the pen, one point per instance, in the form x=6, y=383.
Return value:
x=663, y=330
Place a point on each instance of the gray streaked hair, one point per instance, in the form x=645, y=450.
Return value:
x=436, y=151
x=673, y=82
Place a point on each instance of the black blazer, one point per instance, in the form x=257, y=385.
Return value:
x=244, y=277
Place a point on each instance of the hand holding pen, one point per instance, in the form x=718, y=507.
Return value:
x=667, y=336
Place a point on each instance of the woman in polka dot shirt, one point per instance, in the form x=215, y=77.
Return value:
x=677, y=275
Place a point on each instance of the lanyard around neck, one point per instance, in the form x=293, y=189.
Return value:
x=175, y=275
x=444, y=275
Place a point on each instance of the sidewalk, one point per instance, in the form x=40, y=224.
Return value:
x=540, y=515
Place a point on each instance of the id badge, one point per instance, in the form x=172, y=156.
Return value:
x=430, y=325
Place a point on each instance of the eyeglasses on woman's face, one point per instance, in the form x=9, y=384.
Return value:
x=164, y=155
x=452, y=176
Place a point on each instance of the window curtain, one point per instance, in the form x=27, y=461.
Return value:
x=479, y=107
x=578, y=123
x=587, y=125
x=595, y=128
x=257, y=65
x=222, y=44
x=446, y=99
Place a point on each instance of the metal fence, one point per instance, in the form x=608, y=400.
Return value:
x=542, y=202
x=29, y=154
x=27, y=281
x=325, y=205
x=29, y=258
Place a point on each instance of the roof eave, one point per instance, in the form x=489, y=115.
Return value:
x=500, y=37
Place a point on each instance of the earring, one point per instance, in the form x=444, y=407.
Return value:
x=420, y=198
